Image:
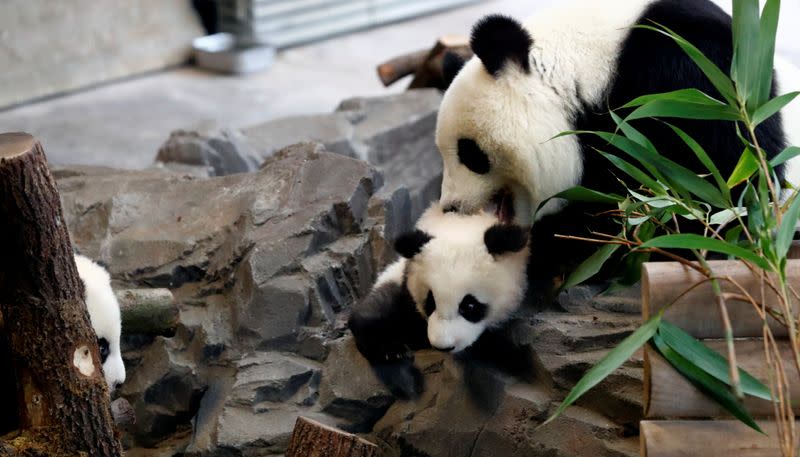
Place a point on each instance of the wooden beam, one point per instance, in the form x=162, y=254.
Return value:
x=147, y=311
x=696, y=312
x=313, y=439
x=668, y=394
x=707, y=439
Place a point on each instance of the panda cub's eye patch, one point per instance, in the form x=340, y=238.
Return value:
x=471, y=309
x=104, y=349
x=430, y=304
x=473, y=157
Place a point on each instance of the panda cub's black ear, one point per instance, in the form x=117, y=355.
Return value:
x=452, y=63
x=410, y=244
x=504, y=238
x=498, y=39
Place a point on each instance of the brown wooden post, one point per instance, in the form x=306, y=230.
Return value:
x=63, y=400
x=312, y=439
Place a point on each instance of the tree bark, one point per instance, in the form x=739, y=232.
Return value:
x=63, y=400
x=312, y=439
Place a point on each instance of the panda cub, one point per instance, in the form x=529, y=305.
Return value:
x=458, y=276
x=564, y=70
x=103, y=308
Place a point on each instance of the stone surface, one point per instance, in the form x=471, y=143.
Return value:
x=52, y=47
x=265, y=265
x=218, y=152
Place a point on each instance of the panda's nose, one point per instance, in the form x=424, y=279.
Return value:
x=451, y=208
x=447, y=349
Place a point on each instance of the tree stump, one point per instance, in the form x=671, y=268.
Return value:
x=62, y=396
x=312, y=439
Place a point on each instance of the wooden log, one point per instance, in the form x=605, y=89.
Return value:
x=63, y=400
x=696, y=312
x=392, y=70
x=430, y=74
x=668, y=394
x=147, y=311
x=313, y=439
x=707, y=439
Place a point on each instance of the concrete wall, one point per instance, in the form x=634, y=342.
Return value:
x=53, y=46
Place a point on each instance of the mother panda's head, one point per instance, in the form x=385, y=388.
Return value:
x=464, y=273
x=495, y=121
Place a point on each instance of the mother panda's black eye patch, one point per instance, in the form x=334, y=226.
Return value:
x=473, y=157
x=430, y=304
x=471, y=309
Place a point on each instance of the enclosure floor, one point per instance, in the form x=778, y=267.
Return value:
x=123, y=123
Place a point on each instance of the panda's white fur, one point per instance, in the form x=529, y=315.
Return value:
x=104, y=312
x=514, y=116
x=454, y=261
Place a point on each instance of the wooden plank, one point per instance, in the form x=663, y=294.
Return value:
x=696, y=311
x=707, y=439
x=313, y=439
x=668, y=394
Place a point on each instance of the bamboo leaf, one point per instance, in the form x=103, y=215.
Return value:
x=701, y=155
x=609, y=363
x=711, y=386
x=693, y=241
x=682, y=95
x=768, y=109
x=746, y=31
x=635, y=173
x=785, y=156
x=632, y=133
x=684, y=110
x=583, y=194
x=590, y=266
x=747, y=165
x=709, y=360
x=768, y=28
x=718, y=78
x=783, y=240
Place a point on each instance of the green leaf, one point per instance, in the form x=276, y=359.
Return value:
x=616, y=357
x=766, y=54
x=785, y=156
x=709, y=360
x=726, y=215
x=710, y=385
x=748, y=164
x=767, y=110
x=693, y=241
x=632, y=133
x=583, y=194
x=694, y=96
x=634, y=172
x=746, y=31
x=684, y=110
x=783, y=240
x=590, y=266
x=717, y=77
x=701, y=155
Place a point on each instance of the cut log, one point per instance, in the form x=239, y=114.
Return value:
x=392, y=70
x=668, y=394
x=63, y=400
x=425, y=65
x=696, y=312
x=707, y=439
x=313, y=439
x=147, y=311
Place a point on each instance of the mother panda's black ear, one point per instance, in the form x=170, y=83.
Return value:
x=504, y=238
x=410, y=244
x=497, y=39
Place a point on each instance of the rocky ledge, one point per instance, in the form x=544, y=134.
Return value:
x=265, y=264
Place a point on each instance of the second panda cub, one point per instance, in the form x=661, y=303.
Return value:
x=459, y=276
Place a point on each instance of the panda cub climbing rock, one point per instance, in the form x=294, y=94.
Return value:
x=103, y=308
x=458, y=278
x=564, y=70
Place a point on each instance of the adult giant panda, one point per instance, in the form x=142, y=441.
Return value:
x=103, y=308
x=564, y=70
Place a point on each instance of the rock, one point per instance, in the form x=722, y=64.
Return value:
x=218, y=152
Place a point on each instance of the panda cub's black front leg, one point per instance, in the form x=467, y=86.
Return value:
x=386, y=326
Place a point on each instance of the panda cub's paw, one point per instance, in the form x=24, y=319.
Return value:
x=402, y=378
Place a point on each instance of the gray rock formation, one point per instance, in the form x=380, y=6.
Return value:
x=394, y=133
x=265, y=266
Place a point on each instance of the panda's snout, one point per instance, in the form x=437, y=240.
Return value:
x=447, y=349
x=454, y=207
